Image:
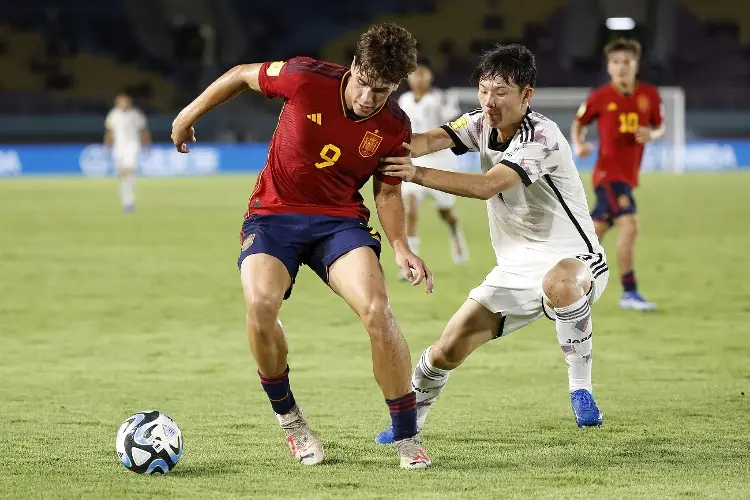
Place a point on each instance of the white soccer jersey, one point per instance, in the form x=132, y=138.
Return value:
x=430, y=112
x=547, y=214
x=126, y=126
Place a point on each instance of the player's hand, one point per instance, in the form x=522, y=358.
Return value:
x=643, y=135
x=583, y=149
x=400, y=166
x=414, y=268
x=182, y=135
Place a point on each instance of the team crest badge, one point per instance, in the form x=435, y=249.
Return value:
x=643, y=103
x=248, y=241
x=612, y=106
x=370, y=143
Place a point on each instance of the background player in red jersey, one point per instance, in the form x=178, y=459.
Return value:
x=629, y=115
x=335, y=125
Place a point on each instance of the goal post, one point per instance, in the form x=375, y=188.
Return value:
x=561, y=103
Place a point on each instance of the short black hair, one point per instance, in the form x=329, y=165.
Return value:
x=513, y=63
x=425, y=61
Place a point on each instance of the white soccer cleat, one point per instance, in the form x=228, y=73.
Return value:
x=634, y=301
x=303, y=444
x=459, y=248
x=411, y=454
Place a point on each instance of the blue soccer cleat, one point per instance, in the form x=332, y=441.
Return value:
x=634, y=301
x=385, y=437
x=585, y=410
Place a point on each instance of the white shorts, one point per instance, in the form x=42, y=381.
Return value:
x=442, y=200
x=516, y=291
x=126, y=158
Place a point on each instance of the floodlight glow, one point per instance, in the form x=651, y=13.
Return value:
x=620, y=23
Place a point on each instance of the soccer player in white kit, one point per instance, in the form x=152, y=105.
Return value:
x=126, y=132
x=429, y=108
x=549, y=261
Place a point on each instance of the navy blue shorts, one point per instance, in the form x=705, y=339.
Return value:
x=613, y=200
x=315, y=240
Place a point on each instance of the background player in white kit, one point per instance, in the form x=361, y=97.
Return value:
x=126, y=132
x=428, y=108
x=549, y=261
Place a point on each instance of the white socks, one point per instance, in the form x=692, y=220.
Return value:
x=574, y=332
x=127, y=190
x=428, y=382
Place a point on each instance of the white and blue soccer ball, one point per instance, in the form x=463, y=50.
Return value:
x=149, y=442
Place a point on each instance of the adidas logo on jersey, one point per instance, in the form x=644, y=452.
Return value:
x=316, y=117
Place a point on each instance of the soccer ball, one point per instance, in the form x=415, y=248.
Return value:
x=149, y=442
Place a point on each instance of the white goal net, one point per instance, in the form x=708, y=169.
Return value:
x=561, y=104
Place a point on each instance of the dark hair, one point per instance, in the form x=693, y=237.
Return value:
x=513, y=63
x=424, y=61
x=386, y=51
x=623, y=45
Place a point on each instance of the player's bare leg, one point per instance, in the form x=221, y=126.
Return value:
x=264, y=282
x=459, y=249
x=627, y=233
x=602, y=228
x=126, y=178
x=358, y=278
x=565, y=288
x=411, y=209
x=471, y=326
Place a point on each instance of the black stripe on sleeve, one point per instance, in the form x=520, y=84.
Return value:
x=570, y=214
x=459, y=148
x=520, y=171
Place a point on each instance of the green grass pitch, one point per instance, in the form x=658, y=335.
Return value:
x=103, y=314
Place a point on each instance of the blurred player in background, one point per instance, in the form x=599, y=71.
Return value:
x=335, y=125
x=549, y=261
x=428, y=108
x=126, y=133
x=629, y=115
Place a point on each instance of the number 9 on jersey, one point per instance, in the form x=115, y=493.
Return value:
x=330, y=154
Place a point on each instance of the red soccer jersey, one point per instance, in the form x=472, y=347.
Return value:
x=319, y=157
x=619, y=116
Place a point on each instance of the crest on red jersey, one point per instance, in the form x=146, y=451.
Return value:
x=370, y=143
x=643, y=103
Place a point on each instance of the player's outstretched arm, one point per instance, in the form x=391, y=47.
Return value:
x=581, y=148
x=227, y=86
x=390, y=208
x=430, y=142
x=480, y=186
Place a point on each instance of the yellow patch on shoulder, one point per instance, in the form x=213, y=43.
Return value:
x=274, y=68
x=458, y=124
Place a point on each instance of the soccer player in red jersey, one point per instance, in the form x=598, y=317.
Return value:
x=335, y=125
x=629, y=115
